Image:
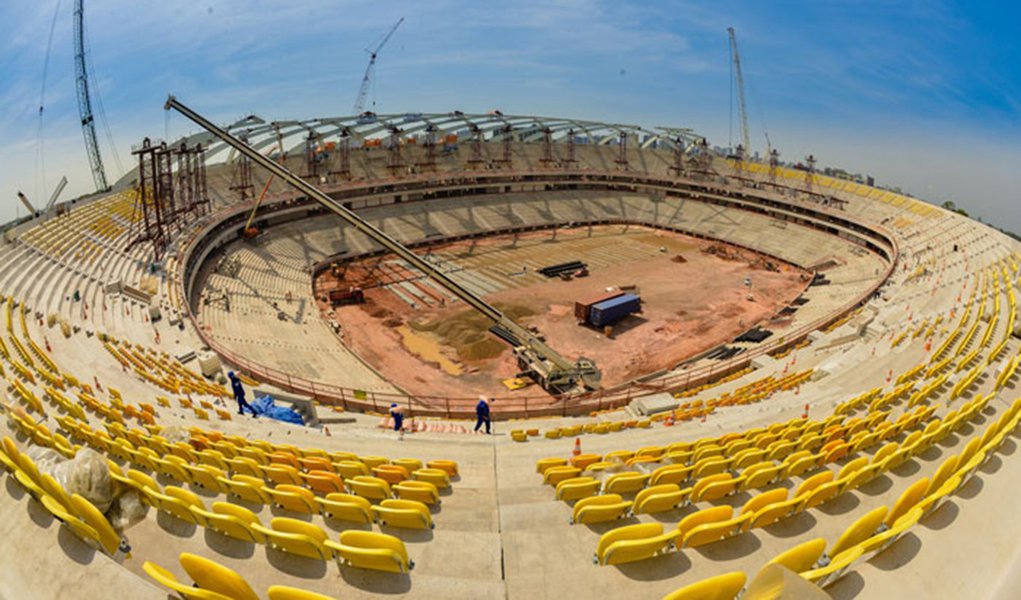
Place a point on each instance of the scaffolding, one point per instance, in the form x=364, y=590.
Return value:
x=172, y=192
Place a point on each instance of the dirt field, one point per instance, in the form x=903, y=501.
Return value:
x=441, y=347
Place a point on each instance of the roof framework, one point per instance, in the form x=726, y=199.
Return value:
x=291, y=135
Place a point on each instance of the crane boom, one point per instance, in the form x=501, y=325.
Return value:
x=363, y=91
x=742, y=108
x=555, y=370
x=84, y=103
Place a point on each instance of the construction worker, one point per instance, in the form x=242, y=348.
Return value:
x=482, y=414
x=239, y=394
x=398, y=416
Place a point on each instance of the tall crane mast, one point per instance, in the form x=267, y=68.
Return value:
x=84, y=104
x=363, y=92
x=741, y=107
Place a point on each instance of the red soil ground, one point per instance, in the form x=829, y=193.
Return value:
x=688, y=307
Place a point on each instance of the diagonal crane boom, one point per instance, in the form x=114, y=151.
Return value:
x=553, y=371
x=363, y=91
x=741, y=107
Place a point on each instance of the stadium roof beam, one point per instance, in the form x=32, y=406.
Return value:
x=290, y=134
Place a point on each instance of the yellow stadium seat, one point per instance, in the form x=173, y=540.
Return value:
x=205, y=476
x=406, y=514
x=676, y=474
x=628, y=482
x=349, y=469
x=295, y=537
x=907, y=500
x=323, y=482
x=293, y=498
x=809, y=485
x=390, y=473
x=231, y=520
x=633, y=543
x=599, y=509
x=371, y=550
x=374, y=461
x=760, y=501
x=77, y=526
x=409, y=464
x=283, y=592
x=834, y=569
x=554, y=475
x=370, y=488
x=715, y=487
x=760, y=475
x=771, y=513
x=243, y=487
x=436, y=476
x=859, y=531
x=701, y=529
x=422, y=491
x=167, y=580
x=110, y=541
x=720, y=587
x=660, y=498
x=282, y=474
x=577, y=487
x=545, y=463
x=583, y=460
x=345, y=507
x=802, y=557
x=178, y=502
x=212, y=576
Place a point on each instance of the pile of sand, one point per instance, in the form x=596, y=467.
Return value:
x=467, y=331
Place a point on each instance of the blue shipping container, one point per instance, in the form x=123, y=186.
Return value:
x=614, y=309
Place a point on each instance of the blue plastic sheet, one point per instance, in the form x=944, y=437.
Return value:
x=265, y=406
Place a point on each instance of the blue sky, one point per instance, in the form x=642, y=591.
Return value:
x=925, y=95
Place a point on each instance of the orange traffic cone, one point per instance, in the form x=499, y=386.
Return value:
x=889, y=376
x=577, y=447
x=928, y=344
x=804, y=413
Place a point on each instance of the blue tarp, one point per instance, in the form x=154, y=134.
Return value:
x=265, y=406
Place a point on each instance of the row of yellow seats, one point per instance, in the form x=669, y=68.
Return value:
x=228, y=443
x=213, y=581
x=208, y=468
x=742, y=450
x=665, y=493
x=638, y=542
x=238, y=522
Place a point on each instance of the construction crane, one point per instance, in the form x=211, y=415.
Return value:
x=363, y=92
x=84, y=104
x=538, y=360
x=741, y=107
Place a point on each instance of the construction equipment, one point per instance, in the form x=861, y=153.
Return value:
x=363, y=92
x=56, y=193
x=28, y=205
x=250, y=232
x=339, y=297
x=739, y=80
x=553, y=371
x=84, y=103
